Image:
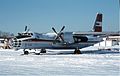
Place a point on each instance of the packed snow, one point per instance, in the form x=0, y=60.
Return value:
x=13, y=63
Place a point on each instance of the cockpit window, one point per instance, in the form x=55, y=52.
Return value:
x=22, y=36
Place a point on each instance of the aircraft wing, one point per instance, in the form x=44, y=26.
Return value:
x=97, y=33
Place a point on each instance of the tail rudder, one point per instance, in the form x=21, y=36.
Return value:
x=98, y=23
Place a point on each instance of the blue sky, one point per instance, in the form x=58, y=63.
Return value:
x=41, y=15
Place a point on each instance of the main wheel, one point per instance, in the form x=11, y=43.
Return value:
x=26, y=52
x=43, y=51
x=77, y=51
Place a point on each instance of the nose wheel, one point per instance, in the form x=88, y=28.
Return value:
x=25, y=52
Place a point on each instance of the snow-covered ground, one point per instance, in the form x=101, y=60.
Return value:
x=13, y=63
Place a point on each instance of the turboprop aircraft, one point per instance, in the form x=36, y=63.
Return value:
x=58, y=40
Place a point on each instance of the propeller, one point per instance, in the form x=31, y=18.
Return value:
x=62, y=29
x=54, y=30
x=59, y=35
x=25, y=28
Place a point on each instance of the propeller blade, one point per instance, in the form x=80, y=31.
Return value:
x=59, y=35
x=25, y=28
x=54, y=30
x=62, y=29
x=62, y=38
x=56, y=37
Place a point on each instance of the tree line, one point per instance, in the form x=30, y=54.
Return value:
x=6, y=34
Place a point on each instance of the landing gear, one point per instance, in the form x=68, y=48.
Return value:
x=37, y=52
x=43, y=50
x=77, y=51
x=25, y=52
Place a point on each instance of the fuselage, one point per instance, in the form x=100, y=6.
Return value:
x=47, y=41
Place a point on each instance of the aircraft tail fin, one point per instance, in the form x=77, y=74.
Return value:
x=98, y=23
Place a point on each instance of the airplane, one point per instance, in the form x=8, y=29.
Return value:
x=58, y=40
